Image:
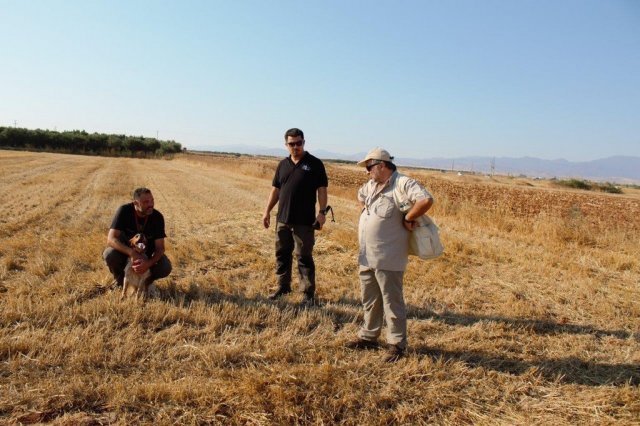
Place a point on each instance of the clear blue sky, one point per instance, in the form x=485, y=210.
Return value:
x=549, y=79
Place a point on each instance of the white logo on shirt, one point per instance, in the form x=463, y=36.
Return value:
x=306, y=168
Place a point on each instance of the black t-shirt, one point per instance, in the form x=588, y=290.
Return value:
x=129, y=225
x=298, y=184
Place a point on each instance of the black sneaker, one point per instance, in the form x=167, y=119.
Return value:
x=308, y=302
x=394, y=353
x=279, y=293
x=362, y=344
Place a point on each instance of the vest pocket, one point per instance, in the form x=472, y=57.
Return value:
x=384, y=207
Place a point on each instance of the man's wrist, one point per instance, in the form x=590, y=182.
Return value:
x=322, y=212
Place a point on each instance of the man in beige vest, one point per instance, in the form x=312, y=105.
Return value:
x=383, y=234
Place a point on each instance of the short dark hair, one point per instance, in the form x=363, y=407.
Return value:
x=390, y=165
x=294, y=133
x=137, y=193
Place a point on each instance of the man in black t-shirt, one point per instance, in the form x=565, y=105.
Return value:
x=297, y=180
x=132, y=218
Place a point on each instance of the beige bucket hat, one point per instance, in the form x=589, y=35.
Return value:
x=376, y=153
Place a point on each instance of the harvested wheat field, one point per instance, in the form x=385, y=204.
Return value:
x=532, y=316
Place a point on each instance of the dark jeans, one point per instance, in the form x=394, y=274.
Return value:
x=301, y=239
x=117, y=261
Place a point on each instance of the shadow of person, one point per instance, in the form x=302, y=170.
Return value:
x=530, y=325
x=346, y=311
x=340, y=313
x=566, y=370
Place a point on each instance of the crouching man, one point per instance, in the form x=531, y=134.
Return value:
x=137, y=217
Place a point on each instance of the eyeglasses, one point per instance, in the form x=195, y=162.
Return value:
x=292, y=144
x=372, y=165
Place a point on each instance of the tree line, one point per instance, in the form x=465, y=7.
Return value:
x=81, y=142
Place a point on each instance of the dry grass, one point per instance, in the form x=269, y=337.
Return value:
x=531, y=317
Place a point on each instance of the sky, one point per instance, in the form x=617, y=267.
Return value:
x=541, y=78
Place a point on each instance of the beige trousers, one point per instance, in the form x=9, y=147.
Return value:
x=382, y=299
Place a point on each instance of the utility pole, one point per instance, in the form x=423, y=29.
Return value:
x=156, y=134
x=493, y=166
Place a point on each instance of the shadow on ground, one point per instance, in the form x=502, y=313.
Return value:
x=343, y=311
x=530, y=325
x=566, y=370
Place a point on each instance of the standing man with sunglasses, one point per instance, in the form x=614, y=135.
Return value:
x=300, y=180
x=384, y=251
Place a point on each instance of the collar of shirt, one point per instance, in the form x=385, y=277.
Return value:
x=304, y=154
x=377, y=188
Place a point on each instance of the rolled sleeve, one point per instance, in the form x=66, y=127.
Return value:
x=415, y=191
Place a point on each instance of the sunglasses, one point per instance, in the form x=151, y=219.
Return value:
x=372, y=165
x=292, y=144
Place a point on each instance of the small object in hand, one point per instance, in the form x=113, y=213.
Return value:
x=316, y=224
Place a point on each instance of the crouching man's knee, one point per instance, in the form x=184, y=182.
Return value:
x=161, y=269
x=115, y=260
x=116, y=263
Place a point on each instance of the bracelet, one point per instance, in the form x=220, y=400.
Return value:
x=323, y=212
x=404, y=219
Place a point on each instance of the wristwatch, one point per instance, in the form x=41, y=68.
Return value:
x=323, y=212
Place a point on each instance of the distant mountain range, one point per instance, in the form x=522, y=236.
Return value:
x=620, y=169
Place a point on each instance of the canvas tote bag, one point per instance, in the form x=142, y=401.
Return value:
x=424, y=241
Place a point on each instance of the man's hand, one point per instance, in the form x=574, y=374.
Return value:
x=271, y=202
x=409, y=225
x=141, y=265
x=321, y=219
x=418, y=209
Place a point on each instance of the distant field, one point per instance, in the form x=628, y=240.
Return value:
x=531, y=317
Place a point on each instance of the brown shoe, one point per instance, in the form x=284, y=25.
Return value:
x=394, y=353
x=362, y=344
